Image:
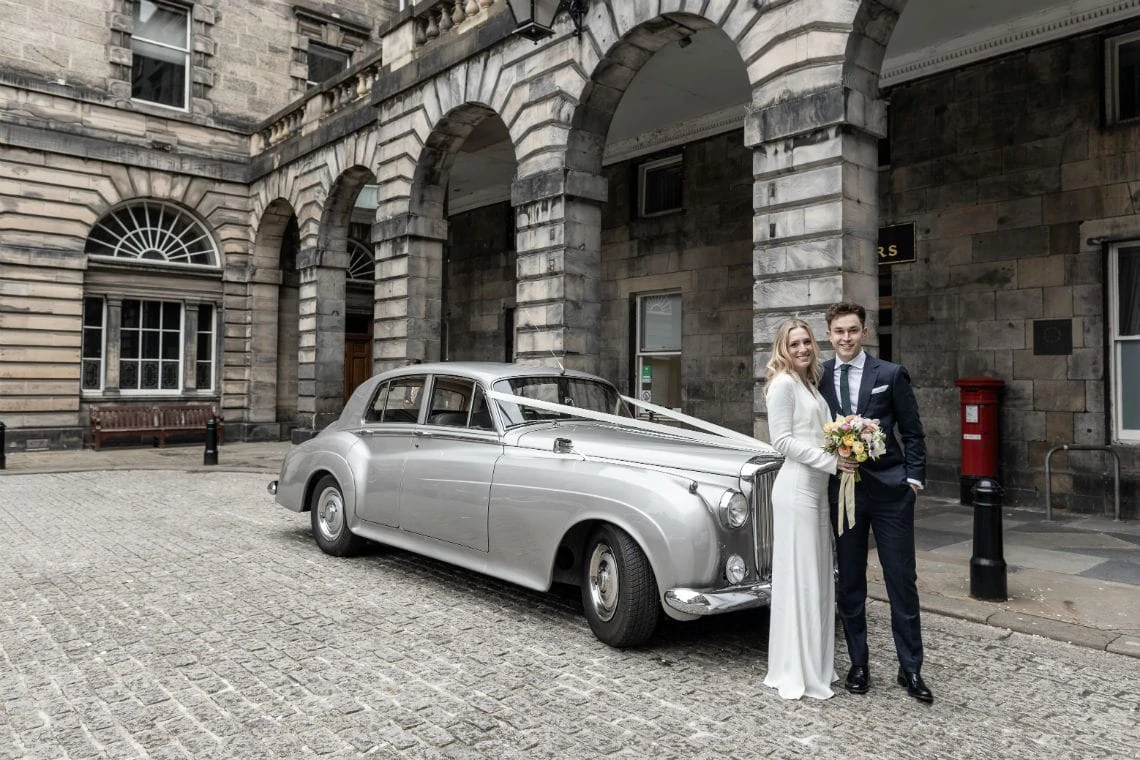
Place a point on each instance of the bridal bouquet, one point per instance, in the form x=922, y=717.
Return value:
x=861, y=439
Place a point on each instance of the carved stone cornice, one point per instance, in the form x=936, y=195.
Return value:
x=1053, y=23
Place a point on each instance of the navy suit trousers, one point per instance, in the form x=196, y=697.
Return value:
x=893, y=525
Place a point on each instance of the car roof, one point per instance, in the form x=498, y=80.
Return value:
x=486, y=372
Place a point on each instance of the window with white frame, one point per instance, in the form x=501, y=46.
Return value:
x=150, y=346
x=1124, y=324
x=1122, y=77
x=150, y=313
x=658, y=352
x=659, y=186
x=325, y=63
x=160, y=54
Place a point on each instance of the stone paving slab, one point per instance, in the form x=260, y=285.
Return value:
x=183, y=615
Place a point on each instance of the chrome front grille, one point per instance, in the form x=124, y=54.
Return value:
x=763, y=480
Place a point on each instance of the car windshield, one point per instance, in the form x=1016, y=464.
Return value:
x=584, y=393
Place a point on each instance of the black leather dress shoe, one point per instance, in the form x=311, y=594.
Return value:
x=915, y=686
x=858, y=679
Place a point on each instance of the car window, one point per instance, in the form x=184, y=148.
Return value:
x=481, y=413
x=450, y=402
x=397, y=400
x=584, y=393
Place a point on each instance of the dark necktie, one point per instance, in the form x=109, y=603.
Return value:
x=844, y=390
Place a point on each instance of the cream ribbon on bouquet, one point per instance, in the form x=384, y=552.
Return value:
x=847, y=482
x=861, y=439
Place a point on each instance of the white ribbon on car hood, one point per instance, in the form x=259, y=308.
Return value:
x=713, y=435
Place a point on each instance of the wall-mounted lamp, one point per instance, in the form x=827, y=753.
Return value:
x=534, y=19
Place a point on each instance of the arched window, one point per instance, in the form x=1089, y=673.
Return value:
x=361, y=264
x=153, y=232
x=152, y=305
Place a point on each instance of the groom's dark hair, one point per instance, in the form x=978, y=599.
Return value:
x=846, y=307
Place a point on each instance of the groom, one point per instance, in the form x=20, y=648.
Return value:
x=856, y=383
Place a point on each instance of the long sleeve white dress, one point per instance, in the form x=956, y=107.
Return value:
x=801, y=637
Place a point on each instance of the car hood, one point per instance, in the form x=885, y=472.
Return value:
x=614, y=442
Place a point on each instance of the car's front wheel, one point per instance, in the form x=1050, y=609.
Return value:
x=619, y=592
x=330, y=524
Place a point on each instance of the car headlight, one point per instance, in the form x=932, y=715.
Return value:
x=733, y=509
x=735, y=569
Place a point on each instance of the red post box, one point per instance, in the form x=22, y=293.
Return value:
x=980, y=442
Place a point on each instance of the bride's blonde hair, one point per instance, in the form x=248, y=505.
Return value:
x=781, y=360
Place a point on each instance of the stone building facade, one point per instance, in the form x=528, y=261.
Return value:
x=256, y=205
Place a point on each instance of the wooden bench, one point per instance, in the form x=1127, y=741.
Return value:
x=160, y=421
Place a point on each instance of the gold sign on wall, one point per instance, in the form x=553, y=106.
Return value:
x=897, y=244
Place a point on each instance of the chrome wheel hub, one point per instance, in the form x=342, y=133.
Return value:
x=330, y=513
x=605, y=582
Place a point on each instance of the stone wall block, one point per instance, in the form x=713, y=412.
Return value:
x=1027, y=366
x=537, y=291
x=1102, y=170
x=1059, y=395
x=1088, y=203
x=1019, y=304
x=1056, y=302
x=1002, y=334
x=1088, y=300
x=802, y=186
x=1088, y=430
x=967, y=220
x=1025, y=212
x=1003, y=245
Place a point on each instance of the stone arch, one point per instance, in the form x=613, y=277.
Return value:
x=423, y=131
x=867, y=44
x=612, y=75
x=274, y=318
x=421, y=128
x=327, y=351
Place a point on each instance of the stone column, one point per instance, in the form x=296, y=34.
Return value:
x=320, y=382
x=815, y=228
x=264, y=288
x=558, y=223
x=409, y=290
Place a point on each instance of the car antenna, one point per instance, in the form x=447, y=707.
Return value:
x=558, y=361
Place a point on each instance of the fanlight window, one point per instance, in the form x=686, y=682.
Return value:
x=361, y=265
x=153, y=232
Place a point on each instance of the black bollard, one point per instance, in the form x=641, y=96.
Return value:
x=3, y=448
x=211, y=455
x=987, y=565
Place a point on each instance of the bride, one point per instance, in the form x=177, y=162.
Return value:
x=801, y=636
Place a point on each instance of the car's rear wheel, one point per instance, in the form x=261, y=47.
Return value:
x=619, y=592
x=330, y=524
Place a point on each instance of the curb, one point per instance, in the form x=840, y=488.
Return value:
x=1020, y=622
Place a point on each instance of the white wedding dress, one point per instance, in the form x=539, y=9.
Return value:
x=801, y=638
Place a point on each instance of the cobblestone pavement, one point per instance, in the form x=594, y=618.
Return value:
x=184, y=615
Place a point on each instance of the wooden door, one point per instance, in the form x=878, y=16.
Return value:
x=357, y=362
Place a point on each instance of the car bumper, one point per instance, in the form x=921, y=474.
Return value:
x=717, y=600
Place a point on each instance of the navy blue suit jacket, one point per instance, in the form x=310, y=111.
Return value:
x=884, y=394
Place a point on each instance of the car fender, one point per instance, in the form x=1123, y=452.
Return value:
x=340, y=455
x=538, y=499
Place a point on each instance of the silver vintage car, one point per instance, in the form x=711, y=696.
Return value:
x=541, y=475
